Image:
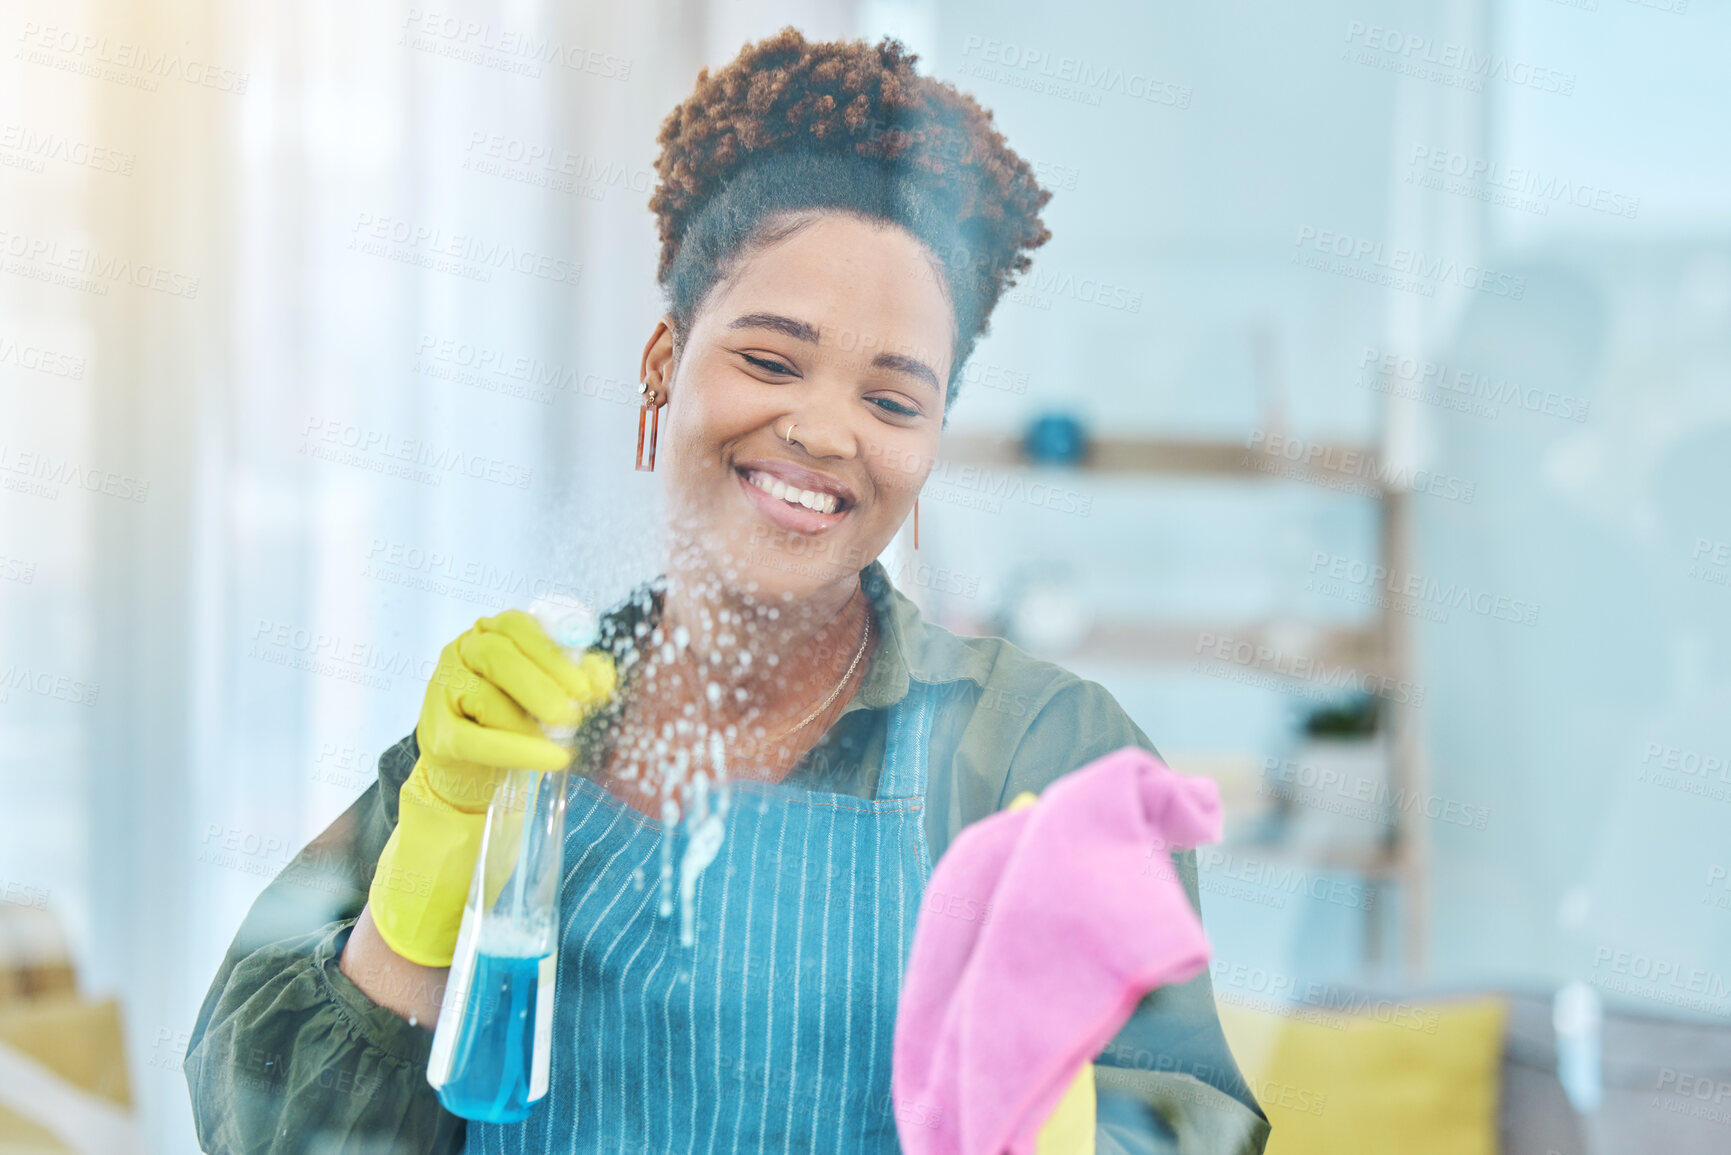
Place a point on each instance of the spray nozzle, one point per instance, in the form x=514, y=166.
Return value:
x=574, y=627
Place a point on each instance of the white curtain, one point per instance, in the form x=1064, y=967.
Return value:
x=379, y=381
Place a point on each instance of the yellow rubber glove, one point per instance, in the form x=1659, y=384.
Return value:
x=494, y=689
x=1069, y=1129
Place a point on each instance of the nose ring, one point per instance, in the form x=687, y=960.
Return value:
x=788, y=436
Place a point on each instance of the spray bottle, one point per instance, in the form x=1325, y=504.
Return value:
x=493, y=1042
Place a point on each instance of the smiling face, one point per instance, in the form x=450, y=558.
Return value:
x=841, y=331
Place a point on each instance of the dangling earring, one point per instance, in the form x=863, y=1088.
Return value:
x=650, y=414
x=916, y=523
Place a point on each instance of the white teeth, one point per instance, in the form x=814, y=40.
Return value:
x=810, y=498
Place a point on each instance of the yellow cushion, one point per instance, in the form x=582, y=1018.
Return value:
x=1416, y=1078
x=79, y=1040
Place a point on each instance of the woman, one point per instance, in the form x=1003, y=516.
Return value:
x=835, y=231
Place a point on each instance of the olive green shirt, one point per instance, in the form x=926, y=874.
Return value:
x=288, y=1055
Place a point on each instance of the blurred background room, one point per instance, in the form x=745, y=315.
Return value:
x=1359, y=428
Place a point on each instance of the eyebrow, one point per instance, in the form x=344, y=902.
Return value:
x=803, y=331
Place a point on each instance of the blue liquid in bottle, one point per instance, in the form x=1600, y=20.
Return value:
x=490, y=1079
x=491, y=1052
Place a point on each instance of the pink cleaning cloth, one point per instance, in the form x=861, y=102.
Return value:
x=1040, y=930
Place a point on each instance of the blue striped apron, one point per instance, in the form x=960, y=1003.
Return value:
x=773, y=1030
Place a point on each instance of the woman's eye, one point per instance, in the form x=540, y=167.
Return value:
x=770, y=366
x=895, y=407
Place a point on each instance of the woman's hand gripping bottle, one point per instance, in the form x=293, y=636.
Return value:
x=482, y=815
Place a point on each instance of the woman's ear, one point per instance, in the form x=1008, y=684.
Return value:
x=658, y=364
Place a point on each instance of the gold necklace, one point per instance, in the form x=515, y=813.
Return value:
x=865, y=636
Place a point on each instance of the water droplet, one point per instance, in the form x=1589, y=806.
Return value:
x=682, y=637
x=670, y=817
x=745, y=658
x=713, y=691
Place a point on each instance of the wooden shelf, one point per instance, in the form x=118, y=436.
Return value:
x=1144, y=456
x=1383, y=647
x=1144, y=642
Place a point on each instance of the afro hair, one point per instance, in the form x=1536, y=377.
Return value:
x=792, y=124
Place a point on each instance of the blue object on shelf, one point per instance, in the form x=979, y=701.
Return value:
x=1056, y=439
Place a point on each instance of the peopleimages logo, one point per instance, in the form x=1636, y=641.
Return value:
x=41, y=474
x=1400, y=268
x=471, y=579
x=513, y=374
x=1268, y=883
x=549, y=166
x=462, y=253
x=1718, y=887
x=346, y=659
x=1709, y=560
x=1328, y=570
x=36, y=147
x=87, y=54
x=41, y=360
x=1328, y=788
x=1352, y=470
x=21, y=895
x=1448, y=61
x=1385, y=372
x=47, y=684
x=1286, y=994
x=1068, y=76
x=508, y=50
x=1543, y=189
x=1258, y=658
x=85, y=269
x=1686, y=1093
x=1688, y=771
x=1661, y=980
x=346, y=443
